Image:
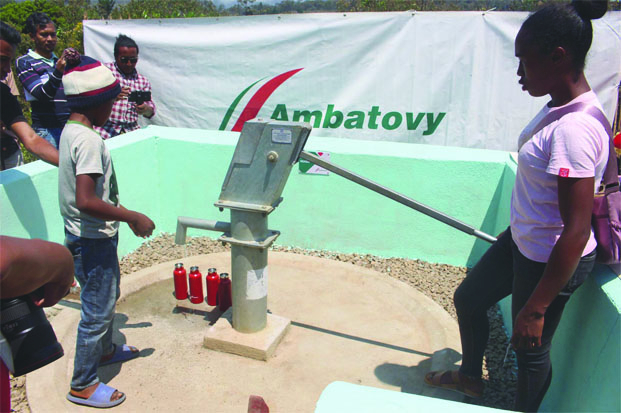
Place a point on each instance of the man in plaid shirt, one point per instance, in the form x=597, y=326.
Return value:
x=124, y=116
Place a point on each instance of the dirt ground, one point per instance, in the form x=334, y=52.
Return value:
x=437, y=281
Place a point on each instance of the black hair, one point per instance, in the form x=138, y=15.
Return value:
x=9, y=34
x=36, y=21
x=124, y=41
x=566, y=25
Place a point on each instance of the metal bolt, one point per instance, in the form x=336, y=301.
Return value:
x=272, y=156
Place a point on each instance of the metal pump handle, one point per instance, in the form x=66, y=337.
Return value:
x=402, y=199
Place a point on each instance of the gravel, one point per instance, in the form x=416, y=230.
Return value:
x=437, y=281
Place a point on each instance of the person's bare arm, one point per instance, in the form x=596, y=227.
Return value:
x=34, y=143
x=88, y=202
x=26, y=265
x=575, y=197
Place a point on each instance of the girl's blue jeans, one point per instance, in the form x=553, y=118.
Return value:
x=502, y=271
x=97, y=270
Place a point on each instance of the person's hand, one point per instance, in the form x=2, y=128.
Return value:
x=50, y=294
x=124, y=93
x=69, y=55
x=142, y=225
x=61, y=62
x=527, y=329
x=144, y=109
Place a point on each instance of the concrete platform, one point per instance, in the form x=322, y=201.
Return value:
x=347, y=323
x=260, y=345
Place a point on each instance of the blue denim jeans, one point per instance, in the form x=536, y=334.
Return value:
x=503, y=270
x=97, y=270
x=52, y=135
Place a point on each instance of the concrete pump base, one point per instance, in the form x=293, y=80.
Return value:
x=260, y=345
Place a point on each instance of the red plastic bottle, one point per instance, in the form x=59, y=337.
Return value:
x=196, y=286
x=181, y=282
x=224, y=292
x=212, y=281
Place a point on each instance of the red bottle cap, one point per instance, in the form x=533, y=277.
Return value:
x=617, y=141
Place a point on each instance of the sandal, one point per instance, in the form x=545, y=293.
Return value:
x=454, y=380
x=121, y=354
x=101, y=398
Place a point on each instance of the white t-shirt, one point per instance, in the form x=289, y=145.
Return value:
x=82, y=152
x=574, y=146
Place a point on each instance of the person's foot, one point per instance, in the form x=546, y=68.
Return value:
x=88, y=392
x=124, y=349
x=456, y=381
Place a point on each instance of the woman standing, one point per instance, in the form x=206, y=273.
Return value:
x=549, y=248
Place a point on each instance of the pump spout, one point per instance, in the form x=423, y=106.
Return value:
x=183, y=223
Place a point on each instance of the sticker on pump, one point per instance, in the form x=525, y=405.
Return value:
x=309, y=168
x=281, y=136
x=256, y=284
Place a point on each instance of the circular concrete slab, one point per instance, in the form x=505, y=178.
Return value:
x=348, y=323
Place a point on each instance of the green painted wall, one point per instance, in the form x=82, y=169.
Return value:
x=195, y=168
x=167, y=172
x=29, y=194
x=29, y=202
x=463, y=184
x=340, y=397
x=586, y=357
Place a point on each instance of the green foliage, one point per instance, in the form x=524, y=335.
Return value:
x=68, y=20
x=28, y=157
x=16, y=14
x=243, y=7
x=105, y=7
x=160, y=9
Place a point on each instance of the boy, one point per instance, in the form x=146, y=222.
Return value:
x=89, y=204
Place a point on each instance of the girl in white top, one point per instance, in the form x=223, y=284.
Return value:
x=549, y=248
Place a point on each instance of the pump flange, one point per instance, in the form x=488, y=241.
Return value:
x=261, y=244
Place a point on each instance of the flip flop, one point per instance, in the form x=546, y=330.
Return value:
x=121, y=354
x=100, y=398
x=434, y=379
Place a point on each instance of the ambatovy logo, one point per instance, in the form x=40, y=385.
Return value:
x=330, y=118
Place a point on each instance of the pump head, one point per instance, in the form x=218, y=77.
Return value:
x=265, y=153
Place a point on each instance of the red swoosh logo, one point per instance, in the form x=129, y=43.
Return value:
x=256, y=102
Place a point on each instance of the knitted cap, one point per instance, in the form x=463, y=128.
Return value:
x=88, y=83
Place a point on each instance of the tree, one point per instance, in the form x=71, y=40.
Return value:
x=243, y=7
x=105, y=8
x=160, y=9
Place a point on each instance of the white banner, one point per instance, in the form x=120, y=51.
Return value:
x=442, y=78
